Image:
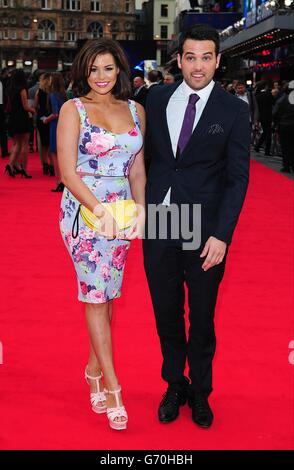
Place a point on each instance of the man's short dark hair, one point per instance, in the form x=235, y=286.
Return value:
x=200, y=32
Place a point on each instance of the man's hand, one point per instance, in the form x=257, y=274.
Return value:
x=214, y=250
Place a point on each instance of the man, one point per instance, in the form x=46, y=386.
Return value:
x=283, y=115
x=249, y=98
x=153, y=78
x=209, y=167
x=168, y=78
x=140, y=90
x=265, y=103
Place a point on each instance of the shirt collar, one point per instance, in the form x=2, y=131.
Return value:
x=203, y=93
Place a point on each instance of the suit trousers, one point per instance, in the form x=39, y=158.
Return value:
x=169, y=269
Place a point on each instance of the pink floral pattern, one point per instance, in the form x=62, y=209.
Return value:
x=99, y=263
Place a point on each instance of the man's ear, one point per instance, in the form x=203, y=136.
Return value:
x=179, y=61
x=218, y=58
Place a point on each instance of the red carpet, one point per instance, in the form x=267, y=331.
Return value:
x=44, y=398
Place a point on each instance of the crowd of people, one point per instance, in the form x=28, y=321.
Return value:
x=31, y=104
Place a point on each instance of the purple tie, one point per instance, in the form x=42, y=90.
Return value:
x=188, y=122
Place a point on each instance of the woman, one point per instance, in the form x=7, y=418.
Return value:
x=101, y=160
x=57, y=98
x=19, y=124
x=43, y=111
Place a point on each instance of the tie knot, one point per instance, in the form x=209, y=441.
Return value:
x=193, y=98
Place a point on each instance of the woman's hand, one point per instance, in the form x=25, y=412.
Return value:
x=138, y=226
x=108, y=227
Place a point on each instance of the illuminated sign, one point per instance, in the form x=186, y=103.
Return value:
x=255, y=11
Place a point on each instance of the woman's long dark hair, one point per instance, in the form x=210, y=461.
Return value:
x=83, y=62
x=18, y=82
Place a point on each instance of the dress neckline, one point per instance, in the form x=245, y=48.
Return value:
x=103, y=128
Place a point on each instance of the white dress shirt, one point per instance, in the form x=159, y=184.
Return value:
x=175, y=112
x=244, y=98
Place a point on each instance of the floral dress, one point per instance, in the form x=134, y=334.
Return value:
x=99, y=262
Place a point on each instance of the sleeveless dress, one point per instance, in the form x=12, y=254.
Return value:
x=99, y=262
x=19, y=120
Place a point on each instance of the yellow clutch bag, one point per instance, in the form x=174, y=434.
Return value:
x=124, y=213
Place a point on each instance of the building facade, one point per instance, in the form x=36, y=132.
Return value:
x=44, y=33
x=163, y=27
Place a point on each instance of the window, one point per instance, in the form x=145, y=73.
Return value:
x=12, y=20
x=7, y=3
x=26, y=21
x=164, y=11
x=127, y=7
x=46, y=31
x=5, y=34
x=46, y=4
x=71, y=36
x=13, y=35
x=164, y=57
x=72, y=23
x=95, y=6
x=95, y=30
x=26, y=35
x=72, y=4
x=163, y=31
x=114, y=36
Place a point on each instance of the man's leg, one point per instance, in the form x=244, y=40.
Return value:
x=164, y=270
x=202, y=295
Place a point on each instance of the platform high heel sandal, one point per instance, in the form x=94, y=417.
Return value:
x=117, y=412
x=96, y=398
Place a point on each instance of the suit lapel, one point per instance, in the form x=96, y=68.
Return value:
x=203, y=123
x=170, y=89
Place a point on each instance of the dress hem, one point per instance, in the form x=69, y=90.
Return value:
x=87, y=302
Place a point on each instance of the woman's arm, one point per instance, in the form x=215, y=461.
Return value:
x=54, y=114
x=68, y=131
x=25, y=103
x=137, y=176
x=36, y=100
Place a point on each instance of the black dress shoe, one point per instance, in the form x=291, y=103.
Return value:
x=170, y=404
x=201, y=411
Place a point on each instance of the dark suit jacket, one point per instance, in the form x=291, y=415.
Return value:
x=213, y=168
x=141, y=96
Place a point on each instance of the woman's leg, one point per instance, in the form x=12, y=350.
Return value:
x=24, y=151
x=56, y=168
x=15, y=150
x=98, y=318
x=94, y=367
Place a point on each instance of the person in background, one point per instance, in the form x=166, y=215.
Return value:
x=168, y=78
x=42, y=107
x=249, y=98
x=140, y=90
x=57, y=98
x=265, y=102
x=3, y=112
x=283, y=115
x=19, y=124
x=153, y=78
